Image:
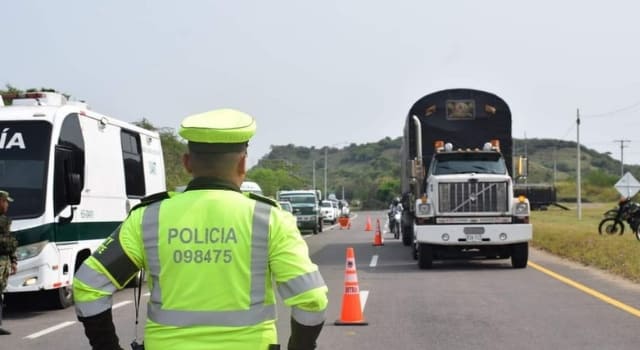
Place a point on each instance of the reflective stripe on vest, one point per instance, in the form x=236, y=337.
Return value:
x=257, y=312
x=92, y=308
x=96, y=281
x=300, y=284
x=307, y=318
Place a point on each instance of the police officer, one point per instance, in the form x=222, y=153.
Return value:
x=212, y=254
x=8, y=246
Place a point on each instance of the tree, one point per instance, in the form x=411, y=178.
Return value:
x=172, y=150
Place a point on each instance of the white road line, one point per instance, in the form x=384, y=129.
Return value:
x=49, y=330
x=364, y=295
x=69, y=323
x=374, y=261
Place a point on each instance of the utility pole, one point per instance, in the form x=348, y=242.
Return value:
x=578, y=180
x=621, y=155
x=325, y=172
x=554, y=166
x=526, y=156
x=314, y=175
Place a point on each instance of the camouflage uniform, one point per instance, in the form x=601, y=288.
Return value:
x=8, y=245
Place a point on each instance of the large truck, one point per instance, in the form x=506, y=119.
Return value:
x=74, y=174
x=457, y=180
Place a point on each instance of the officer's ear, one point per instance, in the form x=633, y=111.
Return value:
x=186, y=162
x=242, y=165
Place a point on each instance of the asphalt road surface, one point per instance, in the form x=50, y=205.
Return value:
x=459, y=304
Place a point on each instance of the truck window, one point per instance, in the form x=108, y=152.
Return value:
x=461, y=163
x=24, y=157
x=299, y=199
x=133, y=167
x=72, y=142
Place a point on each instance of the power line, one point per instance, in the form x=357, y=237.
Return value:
x=621, y=155
x=605, y=114
x=570, y=129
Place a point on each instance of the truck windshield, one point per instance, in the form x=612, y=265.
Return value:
x=299, y=199
x=24, y=155
x=468, y=162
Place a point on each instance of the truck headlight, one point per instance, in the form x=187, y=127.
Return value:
x=30, y=250
x=521, y=209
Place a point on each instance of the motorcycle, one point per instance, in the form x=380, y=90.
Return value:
x=613, y=221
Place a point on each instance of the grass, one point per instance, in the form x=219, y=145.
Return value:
x=561, y=233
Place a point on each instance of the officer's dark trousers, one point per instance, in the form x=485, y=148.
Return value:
x=1, y=302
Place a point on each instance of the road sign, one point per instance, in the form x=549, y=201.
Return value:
x=627, y=186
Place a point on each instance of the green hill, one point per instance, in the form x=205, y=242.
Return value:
x=370, y=173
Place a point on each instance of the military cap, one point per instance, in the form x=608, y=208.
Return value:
x=218, y=131
x=5, y=194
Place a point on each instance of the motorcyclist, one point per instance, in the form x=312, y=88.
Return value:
x=627, y=208
x=394, y=208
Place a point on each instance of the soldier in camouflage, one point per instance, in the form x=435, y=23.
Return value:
x=8, y=245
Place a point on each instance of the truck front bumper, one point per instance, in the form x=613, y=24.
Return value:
x=307, y=222
x=473, y=235
x=34, y=274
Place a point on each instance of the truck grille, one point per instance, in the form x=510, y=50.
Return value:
x=473, y=197
x=303, y=210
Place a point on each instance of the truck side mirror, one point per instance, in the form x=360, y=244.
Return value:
x=74, y=188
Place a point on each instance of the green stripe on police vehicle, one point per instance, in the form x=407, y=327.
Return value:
x=70, y=232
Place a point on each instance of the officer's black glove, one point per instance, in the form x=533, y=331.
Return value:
x=100, y=331
x=303, y=337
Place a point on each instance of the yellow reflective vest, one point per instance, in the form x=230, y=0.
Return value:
x=212, y=255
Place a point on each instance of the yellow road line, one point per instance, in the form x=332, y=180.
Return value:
x=594, y=293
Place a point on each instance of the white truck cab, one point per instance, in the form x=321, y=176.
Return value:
x=468, y=208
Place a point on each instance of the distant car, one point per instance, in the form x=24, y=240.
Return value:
x=286, y=205
x=329, y=211
x=336, y=208
x=250, y=186
x=344, y=208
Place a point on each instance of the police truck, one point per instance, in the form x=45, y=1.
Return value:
x=74, y=174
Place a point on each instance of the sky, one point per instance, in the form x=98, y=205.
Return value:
x=335, y=72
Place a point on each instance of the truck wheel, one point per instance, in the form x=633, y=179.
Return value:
x=425, y=256
x=407, y=235
x=320, y=228
x=61, y=298
x=519, y=255
x=414, y=252
x=315, y=229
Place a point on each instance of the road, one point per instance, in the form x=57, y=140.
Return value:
x=478, y=304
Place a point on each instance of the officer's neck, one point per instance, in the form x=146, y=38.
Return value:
x=212, y=182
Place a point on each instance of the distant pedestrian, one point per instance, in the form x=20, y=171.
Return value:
x=8, y=246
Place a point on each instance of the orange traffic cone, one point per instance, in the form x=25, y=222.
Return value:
x=351, y=313
x=367, y=227
x=377, y=238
